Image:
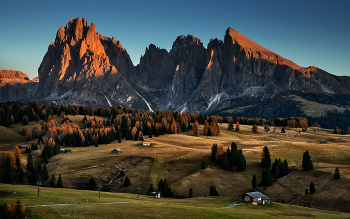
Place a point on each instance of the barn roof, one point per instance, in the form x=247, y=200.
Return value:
x=257, y=195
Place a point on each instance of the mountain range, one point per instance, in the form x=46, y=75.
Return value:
x=82, y=67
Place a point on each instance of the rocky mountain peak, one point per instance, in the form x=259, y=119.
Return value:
x=79, y=54
x=254, y=50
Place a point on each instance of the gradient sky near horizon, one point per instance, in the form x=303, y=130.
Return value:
x=310, y=33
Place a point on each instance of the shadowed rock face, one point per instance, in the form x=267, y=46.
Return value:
x=15, y=85
x=83, y=67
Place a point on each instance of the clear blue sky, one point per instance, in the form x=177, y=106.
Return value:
x=308, y=32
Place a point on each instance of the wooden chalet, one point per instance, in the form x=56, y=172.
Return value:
x=256, y=198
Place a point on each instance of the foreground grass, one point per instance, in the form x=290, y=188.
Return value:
x=125, y=205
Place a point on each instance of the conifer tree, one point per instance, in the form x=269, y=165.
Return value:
x=150, y=190
x=312, y=188
x=122, y=173
x=190, y=193
x=255, y=129
x=45, y=173
x=59, y=182
x=53, y=181
x=195, y=128
x=92, y=184
x=265, y=158
x=266, y=178
x=238, y=128
x=205, y=128
x=336, y=174
x=208, y=132
x=126, y=182
x=307, y=162
x=224, y=162
x=214, y=148
x=213, y=191
x=254, y=182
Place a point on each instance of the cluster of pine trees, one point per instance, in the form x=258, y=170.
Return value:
x=278, y=170
x=11, y=170
x=18, y=210
x=229, y=158
x=163, y=188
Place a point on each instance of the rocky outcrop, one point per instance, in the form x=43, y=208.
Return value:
x=83, y=67
x=16, y=85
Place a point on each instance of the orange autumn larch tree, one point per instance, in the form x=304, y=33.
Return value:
x=238, y=128
x=17, y=153
x=196, y=129
x=205, y=128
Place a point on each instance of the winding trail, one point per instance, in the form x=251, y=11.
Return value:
x=233, y=204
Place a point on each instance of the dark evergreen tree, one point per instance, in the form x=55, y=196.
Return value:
x=119, y=137
x=254, y=182
x=214, y=148
x=39, y=169
x=336, y=174
x=45, y=156
x=306, y=191
x=307, y=162
x=59, y=182
x=312, y=188
x=229, y=157
x=92, y=184
x=150, y=190
x=224, y=162
x=213, y=191
x=283, y=131
x=190, y=193
x=53, y=181
x=122, y=173
x=45, y=173
x=126, y=182
x=241, y=161
x=265, y=158
x=57, y=149
x=266, y=178
x=208, y=132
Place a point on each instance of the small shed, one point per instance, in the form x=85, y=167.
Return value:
x=116, y=151
x=304, y=130
x=22, y=146
x=256, y=198
x=66, y=151
x=317, y=129
x=323, y=142
x=146, y=143
x=155, y=194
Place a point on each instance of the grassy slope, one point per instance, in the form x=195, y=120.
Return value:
x=177, y=158
x=130, y=206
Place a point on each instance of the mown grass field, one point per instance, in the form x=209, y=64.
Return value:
x=178, y=158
